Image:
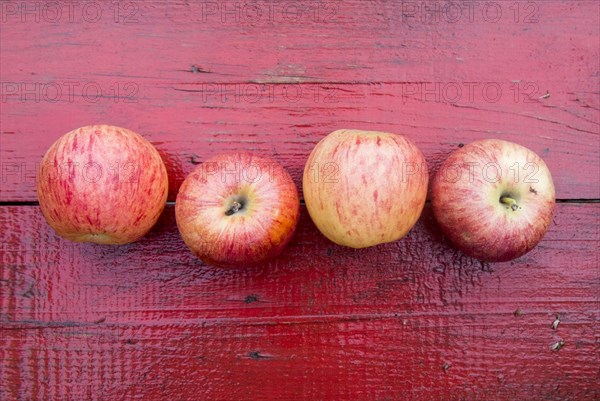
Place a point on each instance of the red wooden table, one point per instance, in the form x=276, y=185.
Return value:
x=410, y=320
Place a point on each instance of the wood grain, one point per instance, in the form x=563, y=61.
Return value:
x=370, y=65
x=410, y=320
x=148, y=320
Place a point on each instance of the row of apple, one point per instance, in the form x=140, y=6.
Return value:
x=361, y=188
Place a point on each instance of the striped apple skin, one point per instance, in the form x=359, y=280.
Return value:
x=102, y=184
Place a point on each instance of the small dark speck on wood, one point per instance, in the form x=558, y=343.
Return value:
x=518, y=313
x=555, y=323
x=195, y=69
x=195, y=159
x=329, y=251
x=558, y=345
x=257, y=355
x=460, y=145
x=29, y=293
x=102, y=320
x=251, y=298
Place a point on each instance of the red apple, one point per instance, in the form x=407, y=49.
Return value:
x=237, y=209
x=364, y=188
x=102, y=184
x=493, y=199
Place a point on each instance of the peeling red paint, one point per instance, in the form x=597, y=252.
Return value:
x=410, y=320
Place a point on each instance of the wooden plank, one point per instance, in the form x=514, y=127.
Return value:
x=372, y=65
x=186, y=132
x=411, y=320
x=349, y=41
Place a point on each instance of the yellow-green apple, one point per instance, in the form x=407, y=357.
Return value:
x=237, y=209
x=102, y=184
x=493, y=199
x=364, y=188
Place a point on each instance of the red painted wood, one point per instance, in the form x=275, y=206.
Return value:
x=411, y=320
x=366, y=67
x=149, y=321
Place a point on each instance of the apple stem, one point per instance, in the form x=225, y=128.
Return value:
x=510, y=202
x=235, y=207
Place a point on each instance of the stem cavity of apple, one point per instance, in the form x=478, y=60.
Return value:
x=234, y=208
x=507, y=200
